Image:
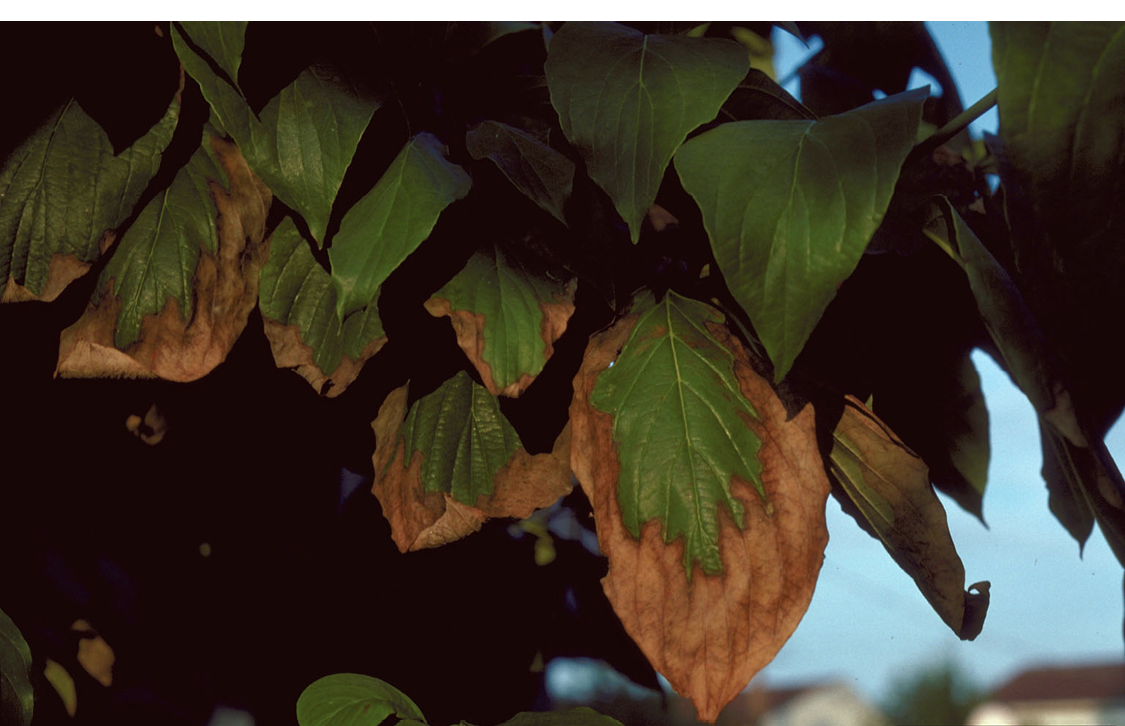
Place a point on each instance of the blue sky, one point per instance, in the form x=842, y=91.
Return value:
x=868, y=625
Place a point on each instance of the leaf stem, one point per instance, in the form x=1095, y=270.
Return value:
x=954, y=127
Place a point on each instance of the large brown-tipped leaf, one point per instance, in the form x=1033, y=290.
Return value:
x=789, y=207
x=298, y=303
x=890, y=486
x=62, y=192
x=507, y=318
x=302, y=142
x=197, y=211
x=710, y=634
x=421, y=517
x=544, y=175
x=627, y=101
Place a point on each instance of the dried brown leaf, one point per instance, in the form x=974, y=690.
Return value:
x=711, y=635
x=290, y=351
x=94, y=654
x=225, y=289
x=421, y=519
x=63, y=269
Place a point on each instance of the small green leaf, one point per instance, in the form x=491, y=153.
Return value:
x=463, y=437
x=156, y=258
x=295, y=290
x=223, y=41
x=580, y=716
x=544, y=175
x=790, y=206
x=628, y=100
x=391, y=220
x=351, y=699
x=305, y=140
x=63, y=188
x=506, y=318
x=17, y=700
x=680, y=426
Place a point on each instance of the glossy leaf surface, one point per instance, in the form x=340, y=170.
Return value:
x=506, y=318
x=544, y=175
x=391, y=220
x=790, y=206
x=61, y=191
x=628, y=100
x=352, y=699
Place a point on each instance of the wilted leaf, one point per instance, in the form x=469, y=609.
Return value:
x=711, y=633
x=581, y=716
x=391, y=220
x=506, y=318
x=63, y=684
x=223, y=41
x=298, y=303
x=197, y=244
x=351, y=699
x=61, y=195
x=891, y=487
x=94, y=654
x=628, y=100
x=790, y=206
x=305, y=139
x=544, y=175
x=17, y=700
x=446, y=487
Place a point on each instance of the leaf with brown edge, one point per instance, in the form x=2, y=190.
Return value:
x=506, y=318
x=709, y=635
x=223, y=291
x=421, y=519
x=890, y=486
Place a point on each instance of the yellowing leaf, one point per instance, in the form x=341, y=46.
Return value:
x=709, y=634
x=94, y=654
x=63, y=684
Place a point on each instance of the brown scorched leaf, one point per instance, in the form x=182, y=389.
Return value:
x=709, y=636
x=890, y=485
x=224, y=290
x=421, y=519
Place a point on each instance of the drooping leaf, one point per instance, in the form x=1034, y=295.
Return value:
x=306, y=136
x=298, y=303
x=61, y=194
x=1062, y=119
x=422, y=518
x=201, y=239
x=708, y=634
x=352, y=699
x=391, y=220
x=890, y=486
x=544, y=175
x=628, y=100
x=580, y=716
x=17, y=700
x=506, y=318
x=790, y=206
x=222, y=40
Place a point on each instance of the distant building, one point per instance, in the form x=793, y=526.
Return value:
x=1091, y=695
x=830, y=704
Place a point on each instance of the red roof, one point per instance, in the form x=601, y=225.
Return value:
x=1102, y=682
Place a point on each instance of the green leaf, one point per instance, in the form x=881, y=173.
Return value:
x=305, y=140
x=790, y=206
x=63, y=188
x=506, y=318
x=391, y=220
x=295, y=290
x=17, y=700
x=156, y=258
x=580, y=716
x=351, y=699
x=628, y=100
x=544, y=175
x=679, y=426
x=759, y=97
x=223, y=41
x=463, y=437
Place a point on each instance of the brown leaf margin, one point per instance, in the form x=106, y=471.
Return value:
x=421, y=519
x=469, y=328
x=710, y=636
x=290, y=351
x=225, y=290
